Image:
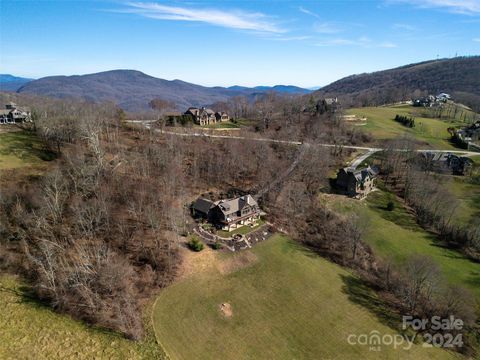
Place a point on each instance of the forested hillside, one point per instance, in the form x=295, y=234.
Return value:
x=458, y=76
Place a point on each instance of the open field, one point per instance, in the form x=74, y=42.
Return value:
x=469, y=200
x=22, y=148
x=222, y=125
x=428, y=131
x=395, y=234
x=30, y=330
x=286, y=303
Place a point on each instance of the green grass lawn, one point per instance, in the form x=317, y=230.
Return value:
x=237, y=124
x=468, y=195
x=242, y=230
x=476, y=159
x=429, y=131
x=395, y=235
x=22, y=148
x=288, y=304
x=30, y=330
x=222, y=125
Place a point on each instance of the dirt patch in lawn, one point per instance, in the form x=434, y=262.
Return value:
x=237, y=261
x=226, y=310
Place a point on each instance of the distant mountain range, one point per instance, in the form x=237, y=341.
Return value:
x=458, y=76
x=12, y=83
x=286, y=89
x=133, y=90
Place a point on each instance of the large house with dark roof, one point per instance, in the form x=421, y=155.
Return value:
x=13, y=114
x=227, y=214
x=357, y=183
x=444, y=163
x=202, y=116
x=469, y=135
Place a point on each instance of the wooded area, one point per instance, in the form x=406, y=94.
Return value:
x=99, y=234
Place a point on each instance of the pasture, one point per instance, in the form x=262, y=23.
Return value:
x=395, y=234
x=280, y=302
x=429, y=132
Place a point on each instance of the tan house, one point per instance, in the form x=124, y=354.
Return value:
x=13, y=114
x=222, y=116
x=228, y=214
x=202, y=116
x=357, y=183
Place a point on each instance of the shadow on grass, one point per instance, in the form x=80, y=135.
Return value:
x=361, y=294
x=26, y=146
x=474, y=279
x=398, y=215
x=24, y=294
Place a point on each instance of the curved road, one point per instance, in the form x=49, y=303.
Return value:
x=147, y=125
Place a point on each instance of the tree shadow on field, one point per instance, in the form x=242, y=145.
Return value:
x=361, y=294
x=26, y=146
x=24, y=294
x=474, y=279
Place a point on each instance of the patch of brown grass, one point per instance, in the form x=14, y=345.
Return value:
x=193, y=262
x=236, y=262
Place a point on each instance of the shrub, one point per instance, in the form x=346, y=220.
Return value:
x=216, y=245
x=390, y=206
x=195, y=244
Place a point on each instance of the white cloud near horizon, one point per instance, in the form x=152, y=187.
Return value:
x=363, y=41
x=234, y=19
x=465, y=7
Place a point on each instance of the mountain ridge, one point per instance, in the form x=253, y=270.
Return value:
x=133, y=89
x=10, y=82
x=459, y=76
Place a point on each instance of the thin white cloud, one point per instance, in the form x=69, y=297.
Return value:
x=334, y=42
x=308, y=12
x=363, y=41
x=290, y=38
x=405, y=27
x=466, y=7
x=326, y=28
x=234, y=19
x=476, y=39
x=386, y=44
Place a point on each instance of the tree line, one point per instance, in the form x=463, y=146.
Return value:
x=405, y=120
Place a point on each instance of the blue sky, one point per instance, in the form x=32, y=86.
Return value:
x=305, y=43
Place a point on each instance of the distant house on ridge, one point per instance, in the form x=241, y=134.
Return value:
x=13, y=114
x=204, y=116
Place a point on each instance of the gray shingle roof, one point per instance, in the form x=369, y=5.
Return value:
x=232, y=206
x=362, y=174
x=203, y=205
